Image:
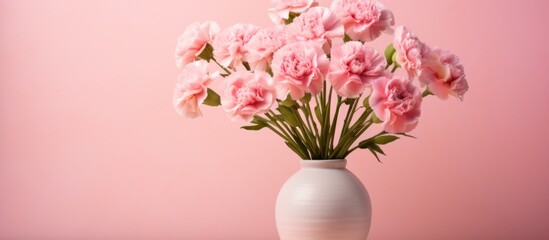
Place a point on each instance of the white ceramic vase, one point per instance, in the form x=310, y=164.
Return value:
x=323, y=201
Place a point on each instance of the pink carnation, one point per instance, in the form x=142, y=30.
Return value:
x=248, y=94
x=282, y=9
x=299, y=68
x=353, y=67
x=263, y=45
x=229, y=44
x=364, y=20
x=410, y=51
x=317, y=23
x=191, y=88
x=193, y=41
x=397, y=103
x=444, y=75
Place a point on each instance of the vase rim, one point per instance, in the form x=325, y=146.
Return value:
x=319, y=163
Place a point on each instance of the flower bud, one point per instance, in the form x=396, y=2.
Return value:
x=389, y=54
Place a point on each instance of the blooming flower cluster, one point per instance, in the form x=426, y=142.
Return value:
x=297, y=76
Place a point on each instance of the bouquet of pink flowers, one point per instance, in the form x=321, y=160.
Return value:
x=312, y=78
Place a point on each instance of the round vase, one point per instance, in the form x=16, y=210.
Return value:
x=323, y=201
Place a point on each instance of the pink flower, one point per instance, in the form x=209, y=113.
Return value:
x=263, y=45
x=353, y=67
x=229, y=47
x=298, y=68
x=193, y=40
x=444, y=75
x=397, y=103
x=410, y=51
x=191, y=88
x=364, y=20
x=248, y=94
x=317, y=23
x=282, y=9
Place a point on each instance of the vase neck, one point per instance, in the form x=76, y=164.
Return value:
x=329, y=164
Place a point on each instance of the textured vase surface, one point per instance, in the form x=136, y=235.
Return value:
x=323, y=201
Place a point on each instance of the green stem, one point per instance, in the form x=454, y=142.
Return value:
x=354, y=138
x=275, y=121
x=326, y=126
x=394, y=68
x=426, y=93
x=306, y=134
x=311, y=126
x=289, y=141
x=319, y=116
x=345, y=127
x=296, y=136
x=377, y=135
x=349, y=116
x=291, y=136
x=334, y=123
x=221, y=66
x=311, y=120
x=299, y=141
x=284, y=126
x=352, y=134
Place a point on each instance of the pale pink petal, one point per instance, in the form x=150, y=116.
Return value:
x=229, y=45
x=299, y=68
x=363, y=20
x=248, y=94
x=193, y=40
x=191, y=88
x=397, y=103
x=317, y=23
x=282, y=9
x=353, y=67
x=444, y=75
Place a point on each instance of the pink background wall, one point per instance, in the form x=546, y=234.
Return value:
x=91, y=148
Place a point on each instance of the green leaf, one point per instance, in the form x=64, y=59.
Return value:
x=278, y=117
x=295, y=149
x=346, y=38
x=406, y=135
x=269, y=70
x=366, y=102
x=394, y=59
x=376, y=119
x=376, y=148
x=349, y=101
x=382, y=140
x=288, y=115
x=246, y=65
x=427, y=92
x=370, y=144
x=259, y=124
x=318, y=115
x=366, y=143
x=207, y=53
x=389, y=52
x=306, y=111
x=289, y=102
x=306, y=98
x=259, y=120
x=253, y=127
x=291, y=17
x=212, y=99
x=375, y=154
